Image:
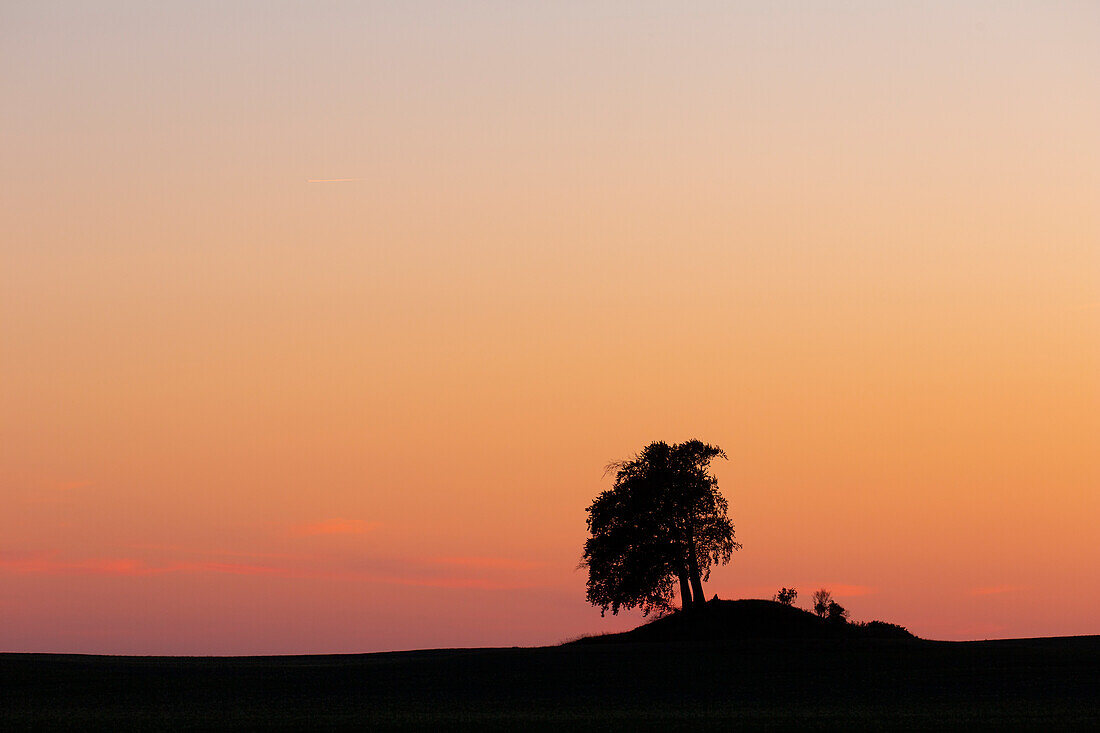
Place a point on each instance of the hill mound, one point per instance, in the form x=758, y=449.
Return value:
x=749, y=619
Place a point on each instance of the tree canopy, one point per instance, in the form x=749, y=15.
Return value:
x=663, y=521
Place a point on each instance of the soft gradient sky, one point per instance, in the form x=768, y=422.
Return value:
x=856, y=244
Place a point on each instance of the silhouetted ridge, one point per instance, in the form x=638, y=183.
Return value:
x=749, y=619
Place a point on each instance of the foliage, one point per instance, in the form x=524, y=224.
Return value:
x=786, y=596
x=836, y=613
x=821, y=600
x=663, y=520
x=884, y=630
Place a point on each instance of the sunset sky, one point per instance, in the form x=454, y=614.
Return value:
x=319, y=321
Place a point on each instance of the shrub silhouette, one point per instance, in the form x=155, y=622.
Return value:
x=884, y=630
x=821, y=599
x=786, y=596
x=836, y=613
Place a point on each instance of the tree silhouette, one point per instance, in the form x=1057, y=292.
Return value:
x=786, y=596
x=663, y=520
x=836, y=613
x=822, y=598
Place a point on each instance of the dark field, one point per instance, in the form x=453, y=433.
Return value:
x=822, y=683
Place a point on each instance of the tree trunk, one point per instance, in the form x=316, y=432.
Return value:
x=696, y=580
x=693, y=570
x=685, y=591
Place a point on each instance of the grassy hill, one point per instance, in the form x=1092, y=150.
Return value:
x=637, y=680
x=749, y=619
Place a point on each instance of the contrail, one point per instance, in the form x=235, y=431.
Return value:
x=333, y=180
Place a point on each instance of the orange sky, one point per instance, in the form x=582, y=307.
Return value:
x=319, y=322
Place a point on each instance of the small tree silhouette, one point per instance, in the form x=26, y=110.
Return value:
x=822, y=598
x=786, y=596
x=836, y=613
